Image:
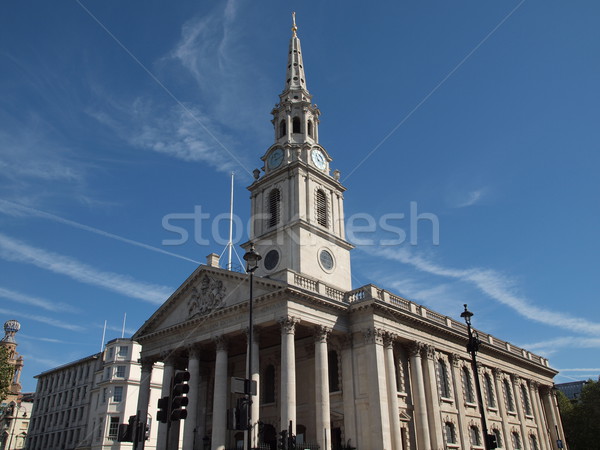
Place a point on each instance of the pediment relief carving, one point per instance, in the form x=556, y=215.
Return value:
x=207, y=296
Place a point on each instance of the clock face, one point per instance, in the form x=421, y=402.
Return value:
x=319, y=159
x=275, y=158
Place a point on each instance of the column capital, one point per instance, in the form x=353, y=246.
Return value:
x=347, y=340
x=429, y=351
x=373, y=335
x=221, y=342
x=288, y=324
x=147, y=363
x=545, y=389
x=416, y=348
x=168, y=357
x=535, y=384
x=322, y=333
x=193, y=351
x=255, y=332
x=454, y=359
x=515, y=378
x=388, y=339
x=497, y=372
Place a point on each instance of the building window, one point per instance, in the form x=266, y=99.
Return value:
x=533, y=442
x=104, y=395
x=322, y=208
x=296, y=125
x=274, y=207
x=118, y=394
x=310, y=128
x=468, y=384
x=111, y=353
x=498, y=435
x=516, y=440
x=268, y=390
x=444, y=381
x=107, y=373
x=489, y=391
x=450, y=433
x=113, y=428
x=510, y=400
x=282, y=128
x=474, y=434
x=123, y=351
x=334, y=375
x=120, y=372
x=526, y=401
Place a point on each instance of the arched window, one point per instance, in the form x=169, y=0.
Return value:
x=510, y=400
x=282, y=128
x=444, y=381
x=526, y=401
x=468, y=385
x=268, y=388
x=516, y=440
x=489, y=391
x=474, y=434
x=322, y=208
x=334, y=373
x=296, y=125
x=274, y=200
x=450, y=433
x=533, y=442
x=496, y=432
x=310, y=128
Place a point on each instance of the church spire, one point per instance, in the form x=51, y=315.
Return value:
x=295, y=78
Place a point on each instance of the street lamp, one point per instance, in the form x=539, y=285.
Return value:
x=252, y=258
x=472, y=348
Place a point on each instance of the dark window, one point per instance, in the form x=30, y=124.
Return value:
x=296, y=125
x=322, y=208
x=467, y=383
x=310, y=128
x=498, y=435
x=516, y=441
x=489, y=391
x=282, y=128
x=271, y=259
x=113, y=427
x=533, y=442
x=526, y=401
x=510, y=400
x=450, y=434
x=474, y=432
x=274, y=200
x=444, y=381
x=269, y=384
x=334, y=374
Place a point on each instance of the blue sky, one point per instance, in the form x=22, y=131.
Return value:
x=114, y=116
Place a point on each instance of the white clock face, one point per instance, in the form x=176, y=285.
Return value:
x=319, y=159
x=275, y=158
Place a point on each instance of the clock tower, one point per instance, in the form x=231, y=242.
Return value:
x=297, y=205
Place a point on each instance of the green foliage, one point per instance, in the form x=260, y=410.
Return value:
x=581, y=420
x=6, y=373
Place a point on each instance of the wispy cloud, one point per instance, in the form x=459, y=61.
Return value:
x=495, y=285
x=596, y=369
x=470, y=198
x=16, y=209
x=42, y=319
x=48, y=305
x=15, y=250
x=564, y=342
x=45, y=339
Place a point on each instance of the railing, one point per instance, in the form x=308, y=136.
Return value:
x=305, y=283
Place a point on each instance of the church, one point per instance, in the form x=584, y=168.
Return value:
x=342, y=368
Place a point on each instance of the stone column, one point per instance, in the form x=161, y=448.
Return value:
x=348, y=391
x=378, y=400
x=392, y=391
x=539, y=418
x=433, y=402
x=288, y=373
x=168, y=372
x=519, y=400
x=191, y=422
x=144, y=392
x=553, y=416
x=322, y=412
x=219, y=416
x=419, y=400
x=202, y=407
x=502, y=407
x=459, y=398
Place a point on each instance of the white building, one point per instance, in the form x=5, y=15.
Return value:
x=359, y=366
x=79, y=405
x=14, y=424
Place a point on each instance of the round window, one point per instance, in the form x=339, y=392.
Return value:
x=326, y=259
x=271, y=259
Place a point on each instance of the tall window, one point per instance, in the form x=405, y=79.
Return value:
x=282, y=128
x=468, y=384
x=510, y=400
x=526, y=401
x=474, y=434
x=296, y=125
x=274, y=201
x=123, y=351
x=489, y=391
x=334, y=375
x=113, y=427
x=516, y=440
x=268, y=390
x=533, y=442
x=118, y=394
x=310, y=128
x=322, y=208
x=450, y=433
x=120, y=372
x=498, y=435
x=444, y=381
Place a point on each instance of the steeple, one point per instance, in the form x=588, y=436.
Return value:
x=295, y=77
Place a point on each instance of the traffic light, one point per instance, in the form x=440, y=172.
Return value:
x=292, y=442
x=492, y=442
x=162, y=415
x=282, y=444
x=126, y=431
x=178, y=399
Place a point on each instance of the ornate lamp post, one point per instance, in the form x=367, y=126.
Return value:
x=252, y=258
x=472, y=348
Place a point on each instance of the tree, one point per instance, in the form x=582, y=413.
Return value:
x=581, y=420
x=6, y=372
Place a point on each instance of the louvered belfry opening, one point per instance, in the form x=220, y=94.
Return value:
x=322, y=208
x=274, y=199
x=282, y=129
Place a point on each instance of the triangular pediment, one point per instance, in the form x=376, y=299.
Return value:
x=206, y=291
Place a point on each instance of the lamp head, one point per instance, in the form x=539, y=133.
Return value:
x=467, y=315
x=252, y=258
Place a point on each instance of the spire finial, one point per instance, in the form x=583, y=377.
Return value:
x=294, y=27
